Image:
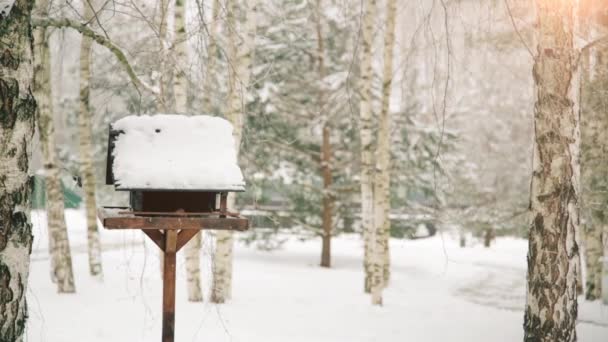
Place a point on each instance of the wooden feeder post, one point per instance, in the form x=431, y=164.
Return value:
x=169, y=286
x=170, y=217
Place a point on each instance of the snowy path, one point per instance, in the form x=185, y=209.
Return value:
x=470, y=294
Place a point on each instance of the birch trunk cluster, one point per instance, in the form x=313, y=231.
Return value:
x=551, y=305
x=375, y=159
x=59, y=246
x=17, y=125
x=85, y=136
x=240, y=55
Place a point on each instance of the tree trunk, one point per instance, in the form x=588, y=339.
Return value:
x=488, y=236
x=239, y=74
x=551, y=305
x=594, y=135
x=382, y=193
x=180, y=47
x=211, y=60
x=17, y=124
x=327, y=202
x=164, y=54
x=327, y=198
x=59, y=246
x=85, y=136
x=371, y=260
x=180, y=89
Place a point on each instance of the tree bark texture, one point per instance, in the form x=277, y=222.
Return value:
x=326, y=172
x=382, y=193
x=240, y=54
x=551, y=304
x=594, y=164
x=59, y=246
x=85, y=137
x=180, y=89
x=208, y=78
x=372, y=262
x=180, y=47
x=17, y=125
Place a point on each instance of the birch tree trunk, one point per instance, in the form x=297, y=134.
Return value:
x=594, y=123
x=239, y=74
x=85, y=137
x=551, y=304
x=59, y=246
x=382, y=194
x=211, y=59
x=17, y=124
x=180, y=89
x=163, y=37
x=371, y=262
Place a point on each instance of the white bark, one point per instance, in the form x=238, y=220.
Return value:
x=371, y=260
x=180, y=89
x=382, y=195
x=163, y=38
x=59, y=246
x=239, y=74
x=86, y=150
x=17, y=124
x=180, y=48
x=208, y=79
x=551, y=304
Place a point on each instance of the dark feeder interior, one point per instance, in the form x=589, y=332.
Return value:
x=170, y=218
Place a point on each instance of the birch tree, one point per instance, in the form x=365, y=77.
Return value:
x=85, y=136
x=238, y=79
x=59, y=246
x=594, y=164
x=551, y=305
x=594, y=146
x=17, y=125
x=372, y=262
x=208, y=78
x=382, y=193
x=180, y=89
x=163, y=37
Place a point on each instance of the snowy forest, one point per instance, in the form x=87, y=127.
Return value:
x=335, y=170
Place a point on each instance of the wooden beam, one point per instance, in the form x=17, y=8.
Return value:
x=175, y=223
x=184, y=236
x=156, y=236
x=169, y=286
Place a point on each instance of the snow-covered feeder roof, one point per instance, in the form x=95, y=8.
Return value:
x=174, y=152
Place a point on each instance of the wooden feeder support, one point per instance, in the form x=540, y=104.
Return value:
x=170, y=231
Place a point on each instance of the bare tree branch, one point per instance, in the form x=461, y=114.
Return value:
x=101, y=40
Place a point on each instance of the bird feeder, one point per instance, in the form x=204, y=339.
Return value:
x=178, y=171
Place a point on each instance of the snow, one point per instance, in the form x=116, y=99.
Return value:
x=438, y=292
x=179, y=152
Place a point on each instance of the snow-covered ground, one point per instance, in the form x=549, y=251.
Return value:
x=438, y=292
